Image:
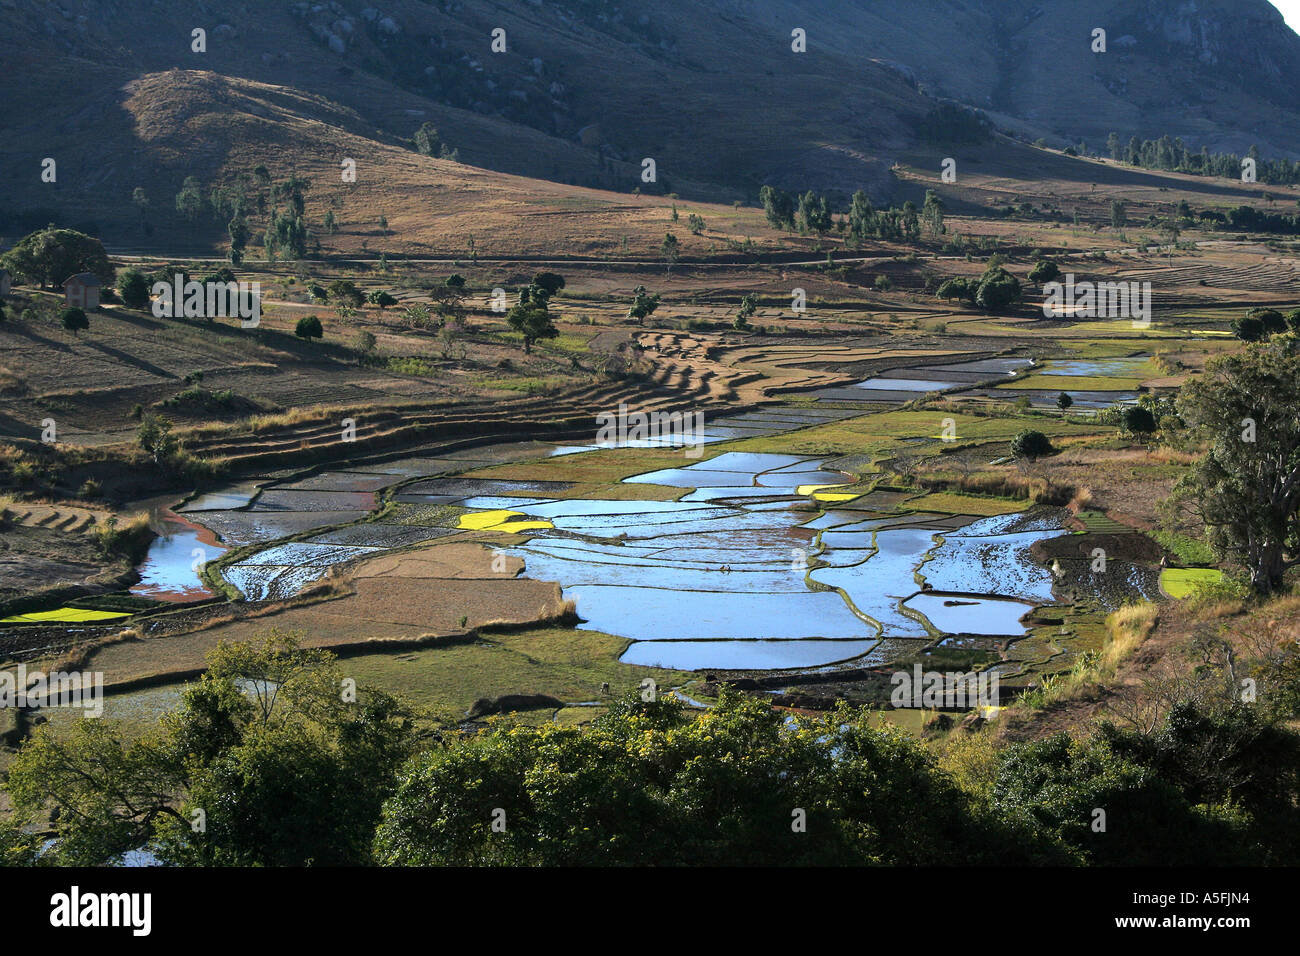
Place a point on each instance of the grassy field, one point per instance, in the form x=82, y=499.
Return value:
x=1180, y=583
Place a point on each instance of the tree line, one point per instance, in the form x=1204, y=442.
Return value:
x=273, y=758
x=1173, y=155
x=813, y=213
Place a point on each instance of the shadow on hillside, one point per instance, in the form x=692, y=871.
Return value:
x=127, y=359
x=22, y=328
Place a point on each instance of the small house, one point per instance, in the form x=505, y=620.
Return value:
x=82, y=291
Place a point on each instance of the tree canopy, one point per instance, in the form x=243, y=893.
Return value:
x=531, y=316
x=49, y=256
x=1246, y=488
x=1031, y=444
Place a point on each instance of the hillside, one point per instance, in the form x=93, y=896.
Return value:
x=584, y=92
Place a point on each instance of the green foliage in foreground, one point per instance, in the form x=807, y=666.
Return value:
x=649, y=783
x=287, y=768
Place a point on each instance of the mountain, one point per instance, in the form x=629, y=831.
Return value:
x=587, y=90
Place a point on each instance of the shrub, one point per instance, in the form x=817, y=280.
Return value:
x=308, y=327
x=74, y=320
x=1137, y=420
x=1045, y=270
x=1031, y=444
x=133, y=288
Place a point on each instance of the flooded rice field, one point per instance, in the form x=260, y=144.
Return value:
x=758, y=561
x=738, y=574
x=170, y=571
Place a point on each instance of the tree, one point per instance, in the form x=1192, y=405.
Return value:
x=285, y=233
x=1044, y=271
x=133, y=289
x=346, y=293
x=670, y=249
x=814, y=214
x=997, y=289
x=531, y=318
x=1056, y=784
x=1031, y=444
x=1246, y=488
x=189, y=201
x=239, y=236
x=695, y=223
x=647, y=783
x=1118, y=214
x=643, y=304
x=308, y=327
x=748, y=306
x=549, y=282
x=932, y=213
x=1248, y=328
x=380, y=298
x=287, y=770
x=140, y=199
x=778, y=207
x=1271, y=320
x=957, y=288
x=155, y=438
x=417, y=316
x=1137, y=420
x=74, y=320
x=427, y=140
x=50, y=255
x=1063, y=402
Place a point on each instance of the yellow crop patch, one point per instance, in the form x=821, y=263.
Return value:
x=833, y=496
x=514, y=527
x=64, y=615
x=813, y=489
x=501, y=520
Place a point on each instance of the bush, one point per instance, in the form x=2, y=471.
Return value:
x=1270, y=319
x=133, y=288
x=74, y=320
x=955, y=289
x=997, y=289
x=308, y=327
x=1045, y=270
x=1248, y=328
x=1137, y=420
x=1031, y=444
x=647, y=784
